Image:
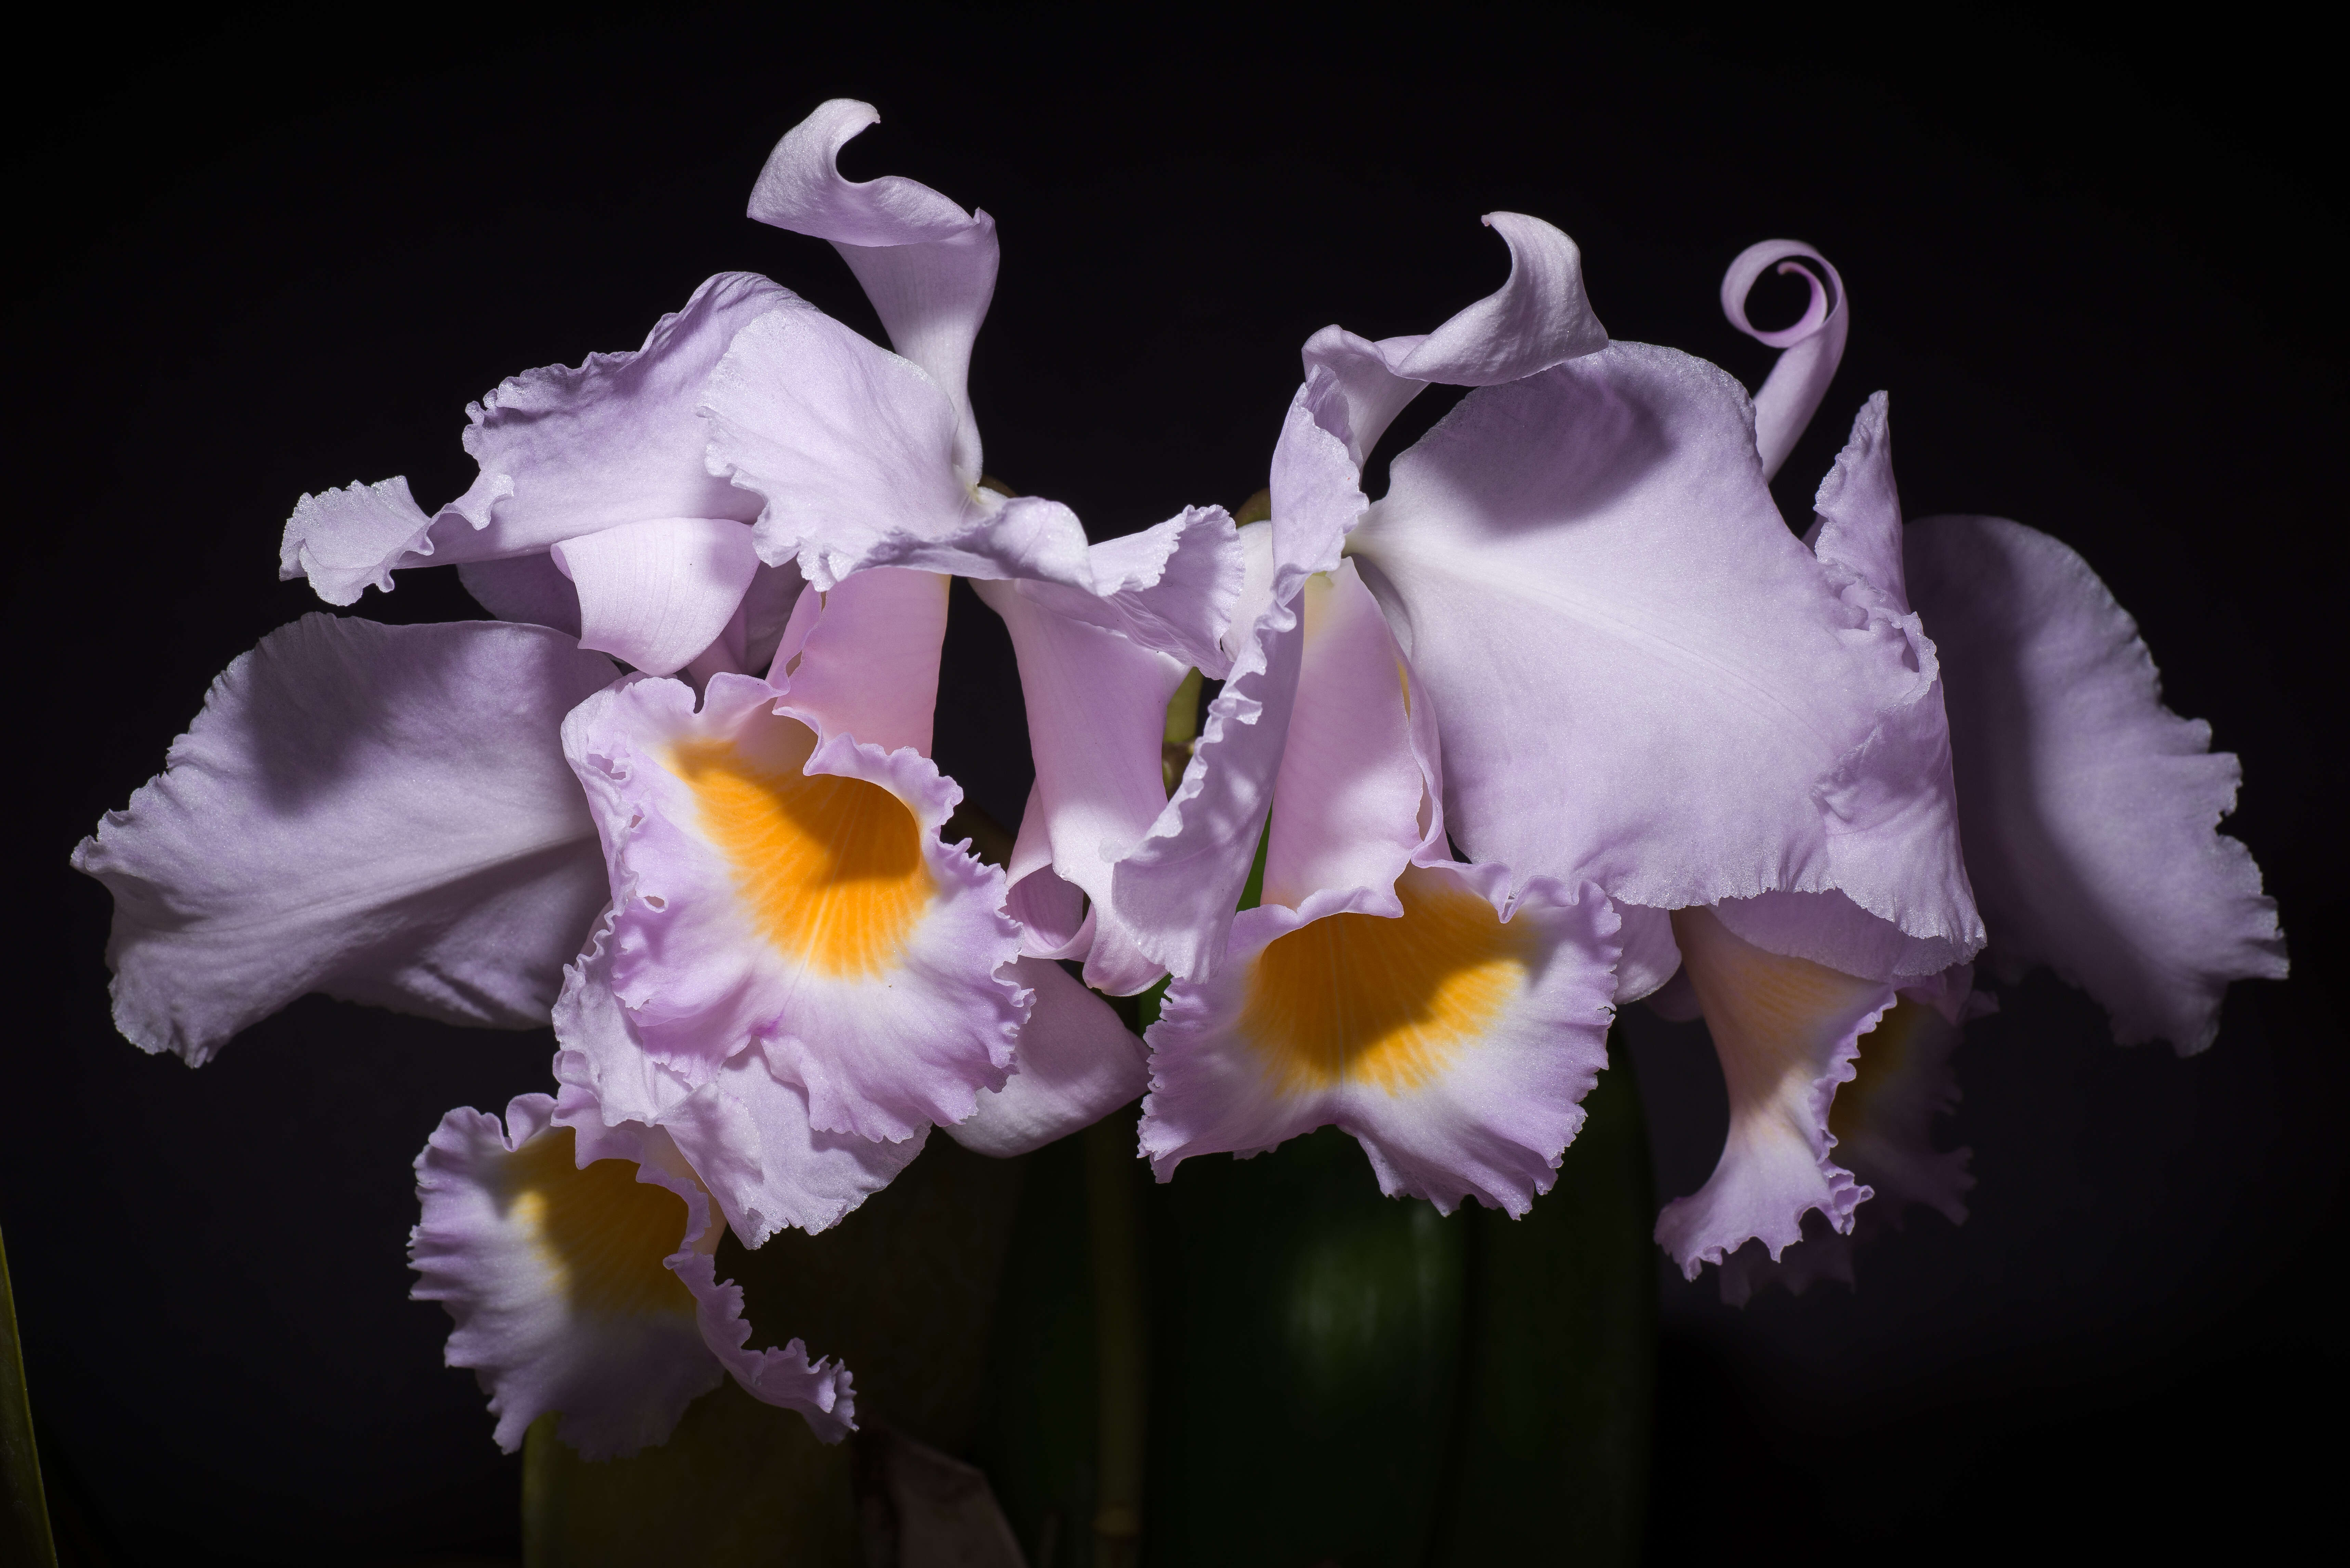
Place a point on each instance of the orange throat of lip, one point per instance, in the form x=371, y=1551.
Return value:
x=829, y=870
x=602, y=1233
x=1387, y=1001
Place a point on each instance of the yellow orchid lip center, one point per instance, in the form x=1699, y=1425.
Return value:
x=829, y=869
x=1389, y=1001
x=600, y=1232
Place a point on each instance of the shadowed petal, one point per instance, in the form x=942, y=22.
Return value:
x=379, y=813
x=1787, y=1032
x=2089, y=809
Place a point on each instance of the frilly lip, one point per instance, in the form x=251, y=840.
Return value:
x=619, y=1376
x=1491, y=1122
x=879, y=1058
x=1783, y=1063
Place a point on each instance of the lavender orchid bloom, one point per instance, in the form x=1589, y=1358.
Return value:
x=578, y=1262
x=1450, y=1022
x=799, y=978
x=2088, y=812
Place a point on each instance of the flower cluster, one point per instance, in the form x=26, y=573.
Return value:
x=1568, y=718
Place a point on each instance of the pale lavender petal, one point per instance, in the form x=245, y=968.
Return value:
x=1177, y=888
x=1347, y=805
x=745, y=1131
x=928, y=266
x=783, y=888
x=863, y=659
x=1096, y=705
x=1536, y=320
x=563, y=1281
x=1810, y=349
x=849, y=446
x=2089, y=809
x=563, y=452
x=1078, y=1063
x=1476, y=1026
x=349, y=539
x=657, y=593
x=1786, y=1031
x=379, y=813
x=1056, y=922
x=1644, y=680
x=1367, y=395
x=1172, y=588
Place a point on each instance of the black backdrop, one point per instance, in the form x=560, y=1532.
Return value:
x=254, y=257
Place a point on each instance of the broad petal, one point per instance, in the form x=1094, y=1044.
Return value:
x=1347, y=804
x=863, y=659
x=561, y=1275
x=2089, y=809
x=745, y=1131
x=851, y=447
x=782, y=887
x=379, y=813
x=1078, y=1063
x=1644, y=680
x=928, y=266
x=657, y=593
x=1810, y=349
x=1471, y=1029
x=563, y=452
x=1787, y=1032
x=1096, y=705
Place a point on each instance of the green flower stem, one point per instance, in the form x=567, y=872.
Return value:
x=24, y=1507
x=1121, y=1339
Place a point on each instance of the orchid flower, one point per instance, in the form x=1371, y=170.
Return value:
x=577, y=1261
x=794, y=965
x=1485, y=1006
x=1449, y=1020
x=2089, y=814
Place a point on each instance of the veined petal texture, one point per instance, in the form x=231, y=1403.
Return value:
x=1644, y=680
x=379, y=813
x=2090, y=810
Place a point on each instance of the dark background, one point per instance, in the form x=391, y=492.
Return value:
x=254, y=257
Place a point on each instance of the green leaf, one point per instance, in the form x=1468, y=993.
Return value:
x=24, y=1507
